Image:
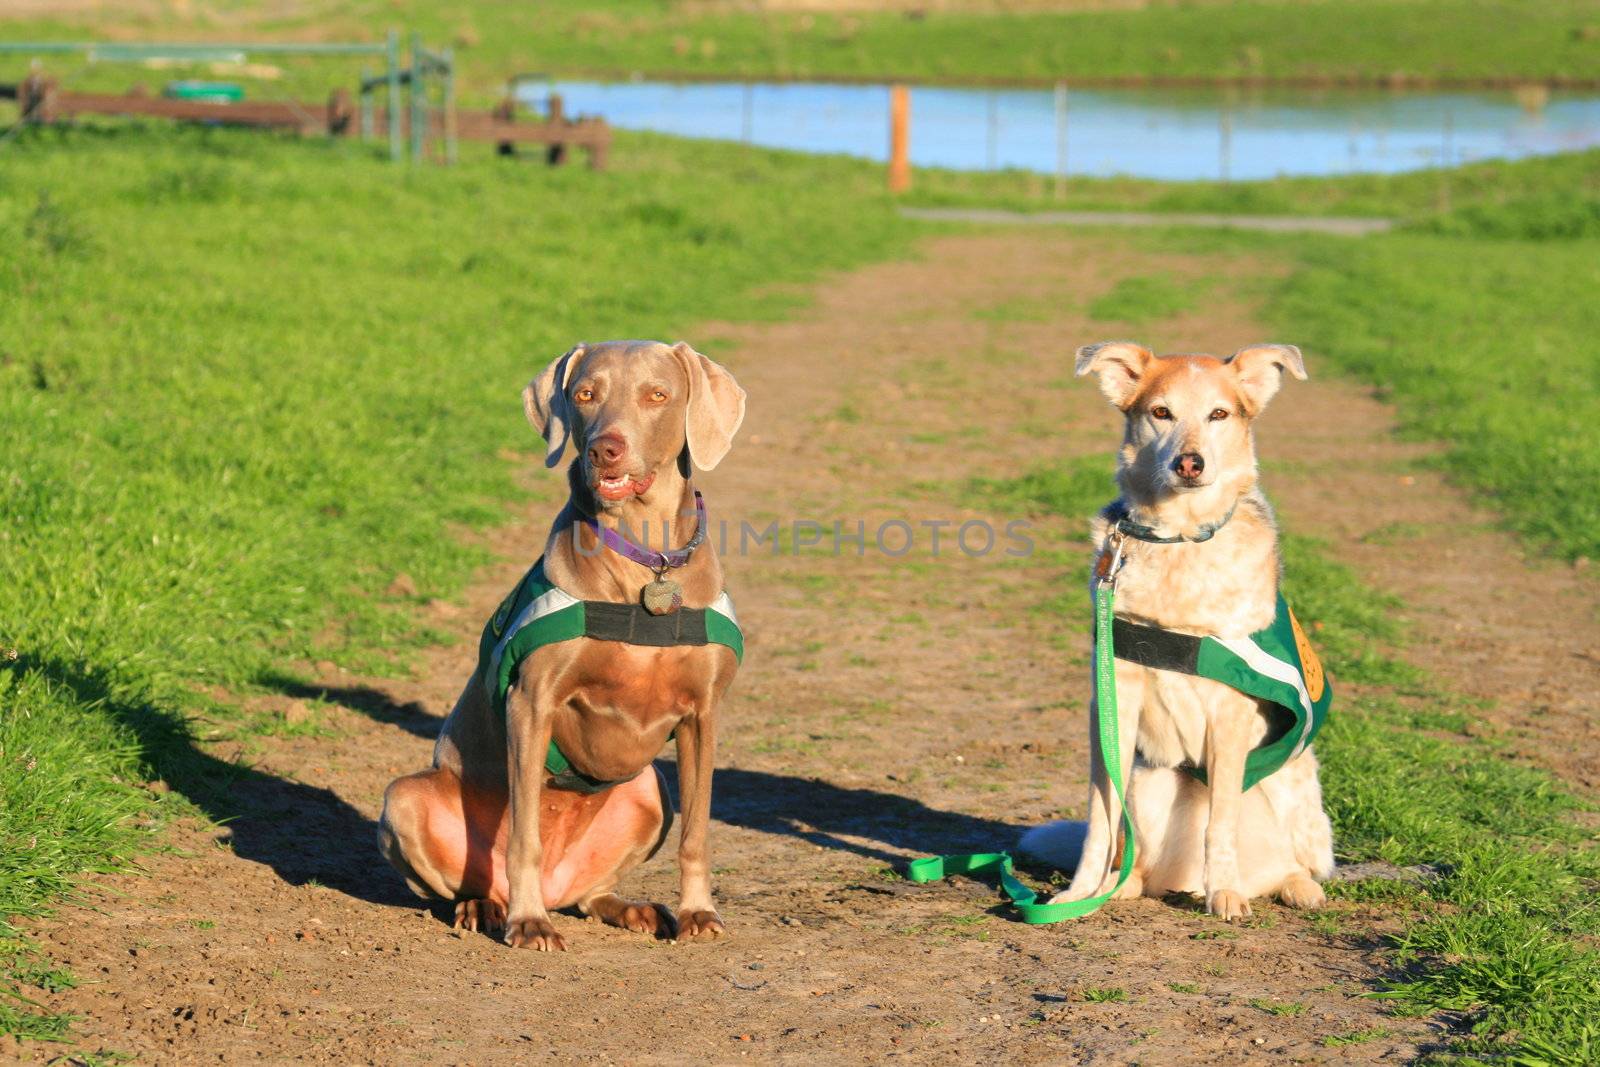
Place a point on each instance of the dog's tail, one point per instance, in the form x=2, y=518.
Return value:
x=1056, y=843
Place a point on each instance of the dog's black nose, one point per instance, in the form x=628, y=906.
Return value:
x=1189, y=465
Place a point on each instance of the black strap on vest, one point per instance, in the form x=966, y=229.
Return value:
x=1152, y=647
x=1149, y=646
x=631, y=624
x=577, y=782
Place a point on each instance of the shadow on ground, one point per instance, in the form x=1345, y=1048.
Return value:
x=303, y=832
x=866, y=822
x=306, y=833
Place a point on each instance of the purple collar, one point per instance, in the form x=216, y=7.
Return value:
x=659, y=562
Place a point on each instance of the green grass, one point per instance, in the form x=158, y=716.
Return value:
x=1555, y=195
x=1484, y=342
x=246, y=381
x=1141, y=299
x=1355, y=1037
x=1504, y=934
x=1332, y=40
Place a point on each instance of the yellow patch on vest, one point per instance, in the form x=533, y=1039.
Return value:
x=1310, y=665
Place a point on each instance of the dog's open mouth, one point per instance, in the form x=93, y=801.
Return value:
x=621, y=486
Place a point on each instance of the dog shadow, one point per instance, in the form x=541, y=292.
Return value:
x=411, y=716
x=306, y=834
x=868, y=822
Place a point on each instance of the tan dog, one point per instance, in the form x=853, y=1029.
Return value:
x=1187, y=469
x=490, y=825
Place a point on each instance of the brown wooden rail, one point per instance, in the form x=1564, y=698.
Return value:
x=41, y=100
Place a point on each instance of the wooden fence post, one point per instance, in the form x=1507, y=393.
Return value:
x=1061, y=140
x=899, y=139
x=340, y=112
x=36, y=98
x=556, y=154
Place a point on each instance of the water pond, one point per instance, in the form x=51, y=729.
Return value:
x=1171, y=134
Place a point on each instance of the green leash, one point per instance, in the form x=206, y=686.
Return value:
x=933, y=868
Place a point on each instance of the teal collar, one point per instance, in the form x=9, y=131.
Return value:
x=1117, y=514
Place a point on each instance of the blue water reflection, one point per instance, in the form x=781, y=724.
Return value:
x=1153, y=133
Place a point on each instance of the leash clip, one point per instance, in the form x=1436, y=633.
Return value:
x=1111, y=562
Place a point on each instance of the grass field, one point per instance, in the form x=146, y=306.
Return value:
x=246, y=383
x=1484, y=342
x=1366, y=40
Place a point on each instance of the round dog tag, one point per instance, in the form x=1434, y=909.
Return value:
x=662, y=596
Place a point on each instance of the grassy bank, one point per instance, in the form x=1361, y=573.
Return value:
x=1332, y=40
x=1484, y=341
x=1501, y=931
x=246, y=383
x=1560, y=190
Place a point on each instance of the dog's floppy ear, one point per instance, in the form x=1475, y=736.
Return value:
x=715, y=408
x=545, y=401
x=1260, y=368
x=1121, y=366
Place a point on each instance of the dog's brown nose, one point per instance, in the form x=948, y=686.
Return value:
x=607, y=450
x=1189, y=465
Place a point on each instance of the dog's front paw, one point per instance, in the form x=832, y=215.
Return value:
x=1131, y=889
x=1072, y=894
x=700, y=926
x=536, y=934
x=642, y=917
x=1300, y=891
x=1228, y=904
x=488, y=916
x=646, y=918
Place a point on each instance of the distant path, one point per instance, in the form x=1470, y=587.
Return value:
x=1346, y=227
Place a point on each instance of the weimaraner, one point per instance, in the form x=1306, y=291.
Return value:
x=538, y=797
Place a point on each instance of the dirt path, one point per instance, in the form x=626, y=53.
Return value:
x=888, y=707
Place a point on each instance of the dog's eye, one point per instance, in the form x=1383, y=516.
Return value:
x=1218, y=414
x=659, y=396
x=1159, y=412
x=583, y=396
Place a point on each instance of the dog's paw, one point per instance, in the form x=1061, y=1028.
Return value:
x=486, y=916
x=537, y=934
x=642, y=918
x=1067, y=896
x=700, y=926
x=1299, y=891
x=1133, y=887
x=1228, y=904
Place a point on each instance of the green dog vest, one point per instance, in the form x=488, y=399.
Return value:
x=537, y=613
x=1276, y=665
